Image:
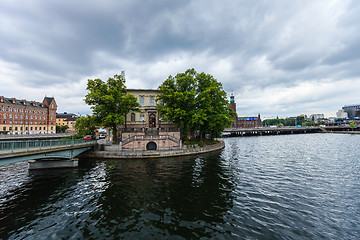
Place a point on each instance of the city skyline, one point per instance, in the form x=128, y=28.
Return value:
x=278, y=58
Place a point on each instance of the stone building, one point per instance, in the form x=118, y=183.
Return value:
x=27, y=117
x=145, y=130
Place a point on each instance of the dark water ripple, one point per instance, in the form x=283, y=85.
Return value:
x=271, y=187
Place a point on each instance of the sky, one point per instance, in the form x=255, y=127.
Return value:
x=278, y=57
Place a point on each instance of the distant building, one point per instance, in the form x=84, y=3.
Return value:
x=19, y=116
x=353, y=111
x=249, y=122
x=244, y=122
x=66, y=119
x=316, y=117
x=145, y=130
x=341, y=114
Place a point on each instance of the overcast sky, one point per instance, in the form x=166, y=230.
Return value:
x=278, y=57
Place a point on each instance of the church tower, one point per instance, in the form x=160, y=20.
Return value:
x=232, y=103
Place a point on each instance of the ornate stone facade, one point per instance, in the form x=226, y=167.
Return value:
x=145, y=130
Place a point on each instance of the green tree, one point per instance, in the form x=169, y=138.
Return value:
x=177, y=95
x=61, y=129
x=195, y=102
x=352, y=126
x=213, y=109
x=110, y=102
x=86, y=125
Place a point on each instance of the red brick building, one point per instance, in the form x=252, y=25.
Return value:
x=27, y=117
x=244, y=122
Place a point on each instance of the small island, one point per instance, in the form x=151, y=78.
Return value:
x=183, y=116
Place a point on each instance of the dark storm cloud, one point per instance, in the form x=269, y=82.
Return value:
x=255, y=48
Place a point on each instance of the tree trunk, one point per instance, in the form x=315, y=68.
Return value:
x=188, y=130
x=115, y=137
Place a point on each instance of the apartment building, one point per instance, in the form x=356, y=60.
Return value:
x=20, y=116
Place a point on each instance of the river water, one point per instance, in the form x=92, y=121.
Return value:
x=271, y=187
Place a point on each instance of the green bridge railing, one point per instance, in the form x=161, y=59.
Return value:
x=7, y=146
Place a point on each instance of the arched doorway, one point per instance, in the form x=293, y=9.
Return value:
x=151, y=146
x=152, y=120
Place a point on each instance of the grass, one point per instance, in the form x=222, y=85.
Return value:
x=196, y=142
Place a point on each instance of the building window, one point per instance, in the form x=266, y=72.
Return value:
x=142, y=101
x=4, y=128
x=15, y=128
x=5, y=115
x=142, y=117
x=35, y=128
x=152, y=101
x=10, y=128
x=133, y=117
x=31, y=128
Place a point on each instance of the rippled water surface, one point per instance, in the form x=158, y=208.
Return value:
x=270, y=187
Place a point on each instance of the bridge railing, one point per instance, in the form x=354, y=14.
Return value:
x=39, y=144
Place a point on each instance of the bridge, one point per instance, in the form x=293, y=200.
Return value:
x=242, y=132
x=44, y=153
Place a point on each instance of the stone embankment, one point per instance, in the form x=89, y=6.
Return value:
x=343, y=132
x=114, y=151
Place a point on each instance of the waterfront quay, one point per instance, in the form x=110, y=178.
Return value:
x=115, y=152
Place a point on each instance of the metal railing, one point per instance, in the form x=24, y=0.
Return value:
x=10, y=146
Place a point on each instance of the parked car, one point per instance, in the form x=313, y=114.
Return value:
x=102, y=136
x=89, y=137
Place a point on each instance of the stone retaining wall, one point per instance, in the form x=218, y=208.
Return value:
x=115, y=153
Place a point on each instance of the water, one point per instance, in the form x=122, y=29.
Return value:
x=271, y=187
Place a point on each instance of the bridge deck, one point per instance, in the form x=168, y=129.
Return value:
x=15, y=151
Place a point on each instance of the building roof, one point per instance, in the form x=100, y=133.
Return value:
x=67, y=116
x=22, y=102
x=143, y=90
x=49, y=100
x=248, y=118
x=351, y=106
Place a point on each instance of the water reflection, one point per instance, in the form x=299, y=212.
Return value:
x=183, y=197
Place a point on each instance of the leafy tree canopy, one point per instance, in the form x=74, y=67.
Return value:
x=196, y=102
x=86, y=125
x=110, y=101
x=61, y=129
